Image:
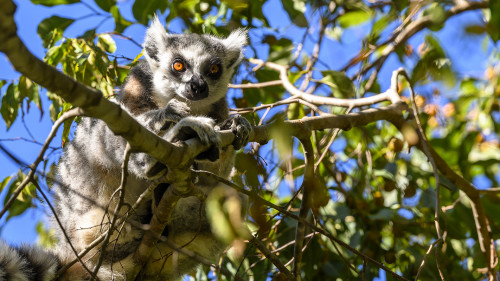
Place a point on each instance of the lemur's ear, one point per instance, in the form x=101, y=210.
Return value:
x=234, y=45
x=154, y=42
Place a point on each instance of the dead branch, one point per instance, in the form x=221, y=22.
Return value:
x=319, y=100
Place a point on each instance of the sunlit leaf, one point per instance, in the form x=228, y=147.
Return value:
x=4, y=182
x=436, y=14
x=54, y=2
x=296, y=10
x=107, y=43
x=493, y=26
x=53, y=26
x=340, y=84
x=354, y=18
x=10, y=105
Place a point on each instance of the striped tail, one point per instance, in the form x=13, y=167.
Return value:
x=26, y=263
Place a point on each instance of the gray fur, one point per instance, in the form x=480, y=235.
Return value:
x=175, y=106
x=26, y=263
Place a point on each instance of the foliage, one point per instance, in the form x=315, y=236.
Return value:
x=373, y=189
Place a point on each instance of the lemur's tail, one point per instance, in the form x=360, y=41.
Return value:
x=26, y=263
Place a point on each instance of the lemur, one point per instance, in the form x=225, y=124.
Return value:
x=180, y=87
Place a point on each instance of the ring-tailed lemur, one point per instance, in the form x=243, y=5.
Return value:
x=178, y=90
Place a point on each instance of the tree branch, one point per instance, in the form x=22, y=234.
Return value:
x=262, y=248
x=307, y=188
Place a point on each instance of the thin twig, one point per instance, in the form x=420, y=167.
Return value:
x=256, y=85
x=315, y=55
x=94, y=276
x=67, y=115
x=425, y=256
x=281, y=102
x=425, y=145
x=272, y=257
x=304, y=206
x=145, y=194
x=118, y=206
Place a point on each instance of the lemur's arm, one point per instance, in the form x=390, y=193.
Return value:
x=95, y=145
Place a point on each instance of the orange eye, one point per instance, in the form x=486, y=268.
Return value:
x=178, y=66
x=214, y=68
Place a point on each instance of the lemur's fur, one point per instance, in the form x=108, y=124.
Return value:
x=170, y=103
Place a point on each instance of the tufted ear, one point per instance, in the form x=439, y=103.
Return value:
x=155, y=40
x=234, y=44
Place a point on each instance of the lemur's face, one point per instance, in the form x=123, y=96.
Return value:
x=195, y=68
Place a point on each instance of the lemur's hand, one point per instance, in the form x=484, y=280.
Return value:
x=177, y=109
x=161, y=120
x=200, y=127
x=240, y=127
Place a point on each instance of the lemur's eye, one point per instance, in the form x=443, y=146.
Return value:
x=178, y=66
x=214, y=69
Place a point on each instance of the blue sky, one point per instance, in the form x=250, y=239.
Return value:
x=22, y=229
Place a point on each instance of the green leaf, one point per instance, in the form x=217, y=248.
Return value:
x=334, y=33
x=282, y=137
x=475, y=29
x=433, y=63
x=30, y=90
x=120, y=23
x=384, y=214
x=340, y=84
x=280, y=51
x=436, y=14
x=4, y=182
x=144, y=10
x=354, y=18
x=51, y=29
x=138, y=56
x=105, y=42
x=236, y=4
x=46, y=236
x=106, y=5
x=50, y=3
x=296, y=10
x=23, y=200
x=10, y=105
x=295, y=111
x=385, y=174
x=55, y=105
x=493, y=26
x=17, y=208
x=263, y=95
x=66, y=130
x=247, y=165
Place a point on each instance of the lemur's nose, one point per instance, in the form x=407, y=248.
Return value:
x=198, y=87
